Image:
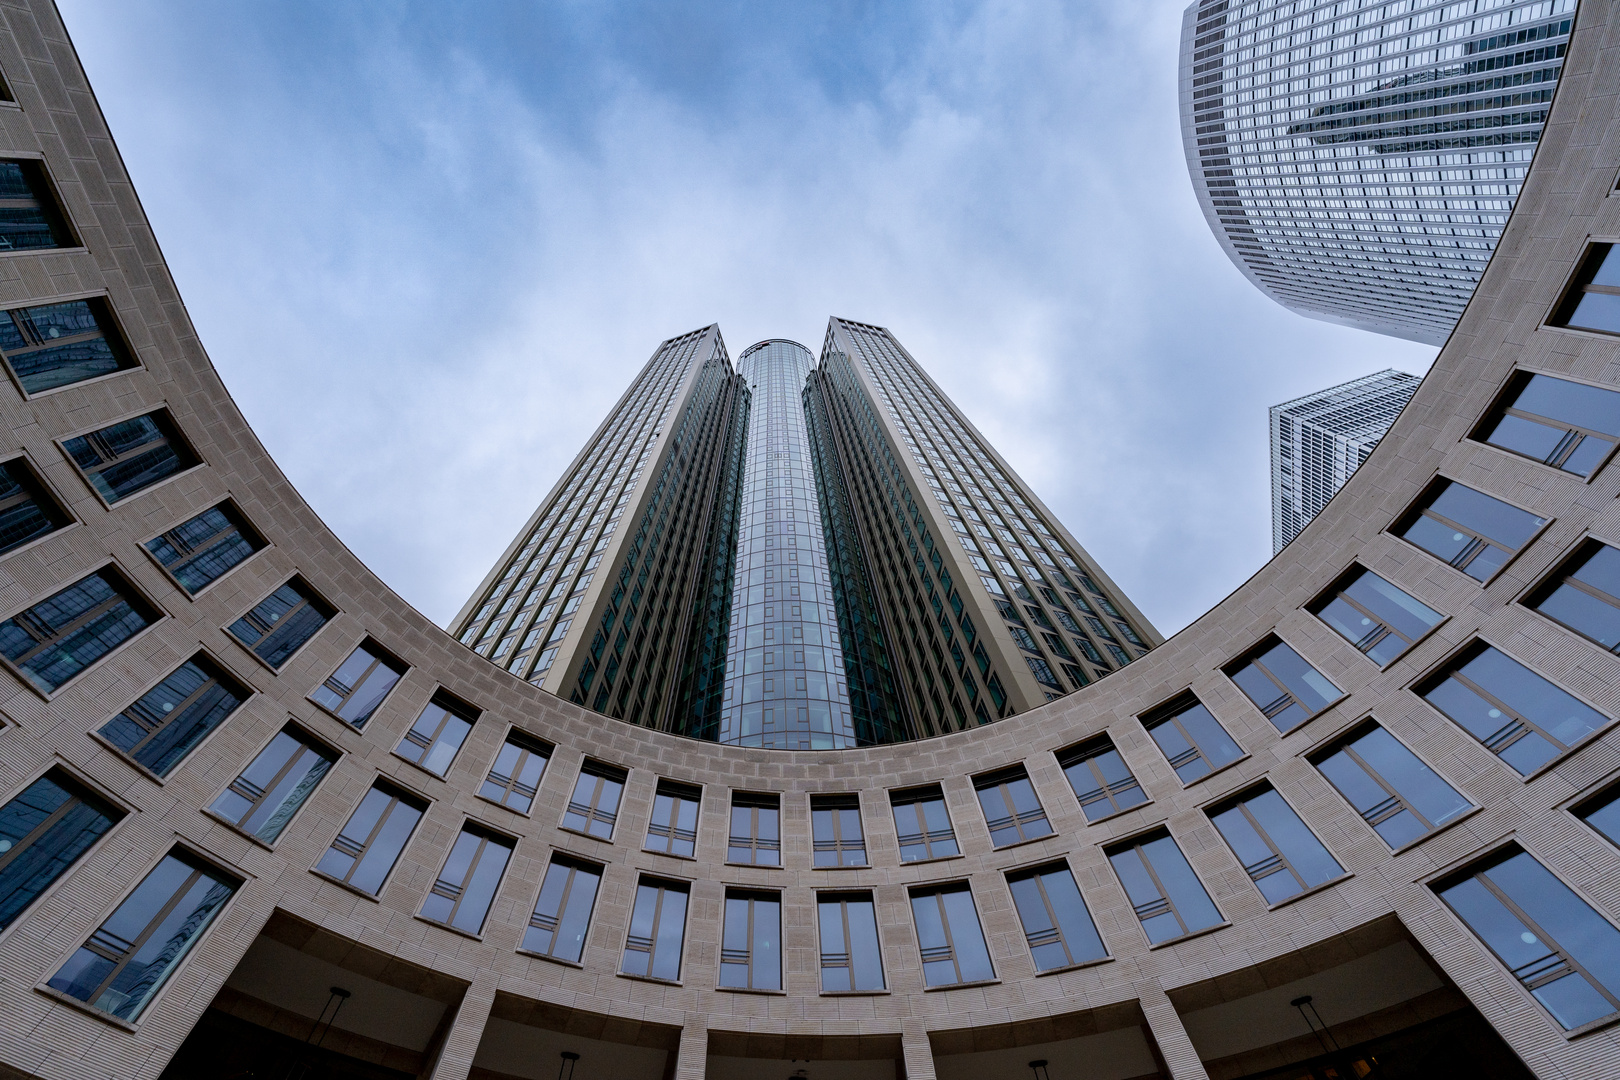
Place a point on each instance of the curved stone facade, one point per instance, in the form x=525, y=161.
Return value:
x=1375, y=948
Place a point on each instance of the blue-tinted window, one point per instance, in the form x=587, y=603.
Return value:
x=1469, y=529
x=199, y=551
x=1594, y=302
x=835, y=830
x=131, y=455
x=465, y=888
x=1167, y=896
x=562, y=914
x=30, y=218
x=652, y=948
x=949, y=934
x=1394, y=792
x=1192, y=740
x=1603, y=814
x=751, y=941
x=1376, y=617
x=1585, y=595
x=1057, y=924
x=1283, y=686
x=175, y=715
x=58, y=344
x=1557, y=422
x=851, y=957
x=1519, y=716
x=27, y=510
x=1278, y=851
x=756, y=829
x=593, y=809
x=371, y=843
x=1011, y=807
x=1101, y=780
x=275, y=784
x=515, y=776
x=437, y=735
x=355, y=690
x=57, y=638
x=923, y=824
x=43, y=831
x=280, y=624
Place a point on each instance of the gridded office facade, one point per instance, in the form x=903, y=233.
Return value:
x=1358, y=160
x=1319, y=440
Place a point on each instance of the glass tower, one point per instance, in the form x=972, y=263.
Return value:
x=1357, y=159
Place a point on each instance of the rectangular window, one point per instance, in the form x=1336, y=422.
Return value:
x=515, y=776
x=175, y=715
x=1468, y=529
x=1191, y=739
x=44, y=830
x=438, y=733
x=1043, y=672
x=751, y=942
x=55, y=345
x=1593, y=303
x=923, y=824
x=673, y=828
x=562, y=914
x=1285, y=688
x=1395, y=792
x=371, y=843
x=59, y=637
x=1376, y=617
x=466, y=886
x=1564, y=953
x=1602, y=812
x=129, y=957
x=200, y=551
x=30, y=217
x=1519, y=716
x=851, y=957
x=1278, y=851
x=1167, y=896
x=594, y=806
x=353, y=692
x=1584, y=595
x=949, y=935
x=271, y=789
x=1057, y=924
x=131, y=455
x=1010, y=806
x=282, y=622
x=27, y=510
x=1101, y=780
x=756, y=831
x=835, y=829
x=652, y=949
x=1554, y=421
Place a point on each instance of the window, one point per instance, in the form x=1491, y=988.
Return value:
x=756, y=834
x=1563, y=952
x=923, y=824
x=369, y=845
x=27, y=511
x=466, y=886
x=1468, y=529
x=1519, y=716
x=437, y=734
x=1010, y=806
x=673, y=828
x=127, y=959
x=562, y=914
x=851, y=957
x=175, y=715
x=949, y=935
x=835, y=829
x=44, y=830
x=751, y=941
x=1285, y=688
x=59, y=344
x=353, y=692
x=29, y=215
x=1603, y=814
x=1101, y=780
x=515, y=776
x=270, y=790
x=1554, y=421
x=198, y=552
x=1043, y=672
x=594, y=806
x=652, y=949
x=1167, y=896
x=1278, y=851
x=1376, y=617
x=1191, y=739
x=131, y=455
x=1584, y=595
x=59, y=637
x=1399, y=796
x=1056, y=923
x=282, y=622
x=1594, y=301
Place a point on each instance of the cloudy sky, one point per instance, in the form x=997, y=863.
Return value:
x=428, y=244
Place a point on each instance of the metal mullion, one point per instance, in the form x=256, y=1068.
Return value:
x=1192, y=742
x=358, y=683
x=39, y=830
x=1287, y=694
x=1164, y=894
x=66, y=339
x=1466, y=531
x=56, y=634
x=281, y=774
x=950, y=938
x=652, y=937
x=174, y=714
x=1012, y=811
x=1051, y=913
x=1591, y=590
x=1507, y=710
x=1428, y=825
x=1282, y=858
x=1574, y=965
x=146, y=932
x=472, y=868
x=382, y=819
x=749, y=948
x=1379, y=623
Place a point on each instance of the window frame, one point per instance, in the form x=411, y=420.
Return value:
x=677, y=792
x=452, y=706
x=178, y=439
x=59, y=773
x=109, y=327
x=1251, y=657
x=1514, y=385
x=131, y=593
x=240, y=520
x=312, y=599
x=1170, y=713
x=832, y=803
x=1582, y=806
x=1055, y=935
x=843, y=898
x=936, y=890
x=916, y=796
x=1342, y=740
x=218, y=674
x=1336, y=591
x=592, y=812
x=58, y=204
x=44, y=495
x=298, y=732
x=1001, y=780
x=1562, y=574
x=664, y=886
x=1586, y=266
x=1239, y=800
x=528, y=745
x=456, y=893
x=1135, y=843
x=730, y=957
x=754, y=801
x=1083, y=753
x=397, y=795
x=1419, y=508
x=380, y=658
x=574, y=865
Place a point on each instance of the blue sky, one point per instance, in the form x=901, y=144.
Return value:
x=427, y=245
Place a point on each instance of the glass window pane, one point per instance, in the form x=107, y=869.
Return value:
x=44, y=829
x=173, y=717
x=274, y=785
x=200, y=551
x=59, y=637
x=1548, y=720
x=1604, y=816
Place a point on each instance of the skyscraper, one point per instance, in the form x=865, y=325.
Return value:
x=798, y=554
x=1358, y=161
x=1319, y=440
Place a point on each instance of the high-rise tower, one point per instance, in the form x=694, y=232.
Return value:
x=798, y=555
x=1358, y=161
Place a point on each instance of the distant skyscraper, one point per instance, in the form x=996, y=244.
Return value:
x=1358, y=161
x=1319, y=440
x=797, y=555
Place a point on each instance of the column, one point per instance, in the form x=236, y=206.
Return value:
x=460, y=1044
x=1165, y=1025
x=692, y=1059
x=918, y=1055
